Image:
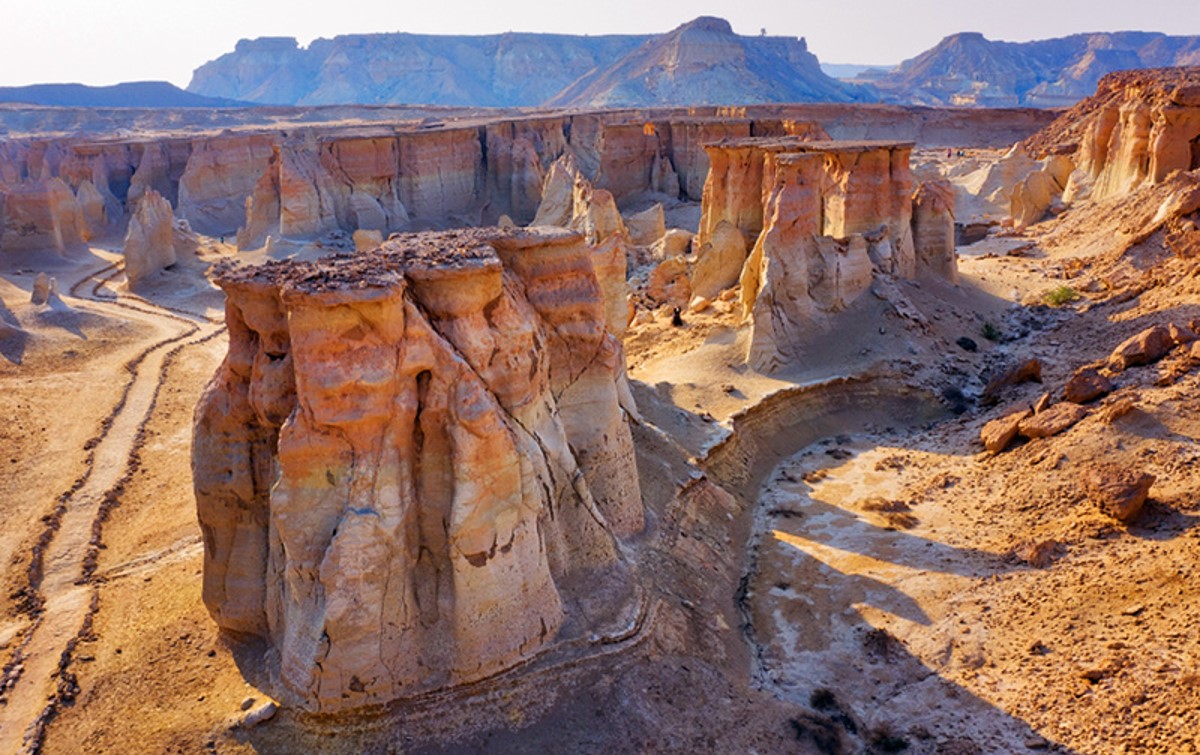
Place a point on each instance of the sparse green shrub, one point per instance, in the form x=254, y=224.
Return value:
x=1057, y=297
x=990, y=332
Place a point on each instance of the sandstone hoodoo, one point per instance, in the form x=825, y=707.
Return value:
x=823, y=218
x=447, y=416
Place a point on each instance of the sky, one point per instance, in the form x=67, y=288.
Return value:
x=100, y=43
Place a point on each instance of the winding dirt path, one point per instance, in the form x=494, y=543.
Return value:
x=63, y=592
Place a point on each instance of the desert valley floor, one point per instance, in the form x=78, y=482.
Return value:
x=831, y=560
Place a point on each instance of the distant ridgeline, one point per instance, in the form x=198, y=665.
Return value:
x=701, y=62
x=149, y=94
x=967, y=69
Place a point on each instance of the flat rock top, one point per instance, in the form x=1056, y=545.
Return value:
x=799, y=144
x=385, y=267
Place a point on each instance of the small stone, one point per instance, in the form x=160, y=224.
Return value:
x=967, y=344
x=261, y=714
x=248, y=703
x=1146, y=347
x=1042, y=404
x=1181, y=333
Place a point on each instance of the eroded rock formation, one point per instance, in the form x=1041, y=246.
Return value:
x=150, y=240
x=1137, y=129
x=933, y=228
x=824, y=218
x=414, y=464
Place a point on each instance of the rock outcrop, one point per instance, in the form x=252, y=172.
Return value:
x=1137, y=129
x=150, y=239
x=414, y=465
x=825, y=217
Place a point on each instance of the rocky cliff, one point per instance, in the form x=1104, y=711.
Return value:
x=967, y=69
x=700, y=62
x=1138, y=128
x=305, y=181
x=414, y=465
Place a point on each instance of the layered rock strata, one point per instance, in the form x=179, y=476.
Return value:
x=1138, y=128
x=414, y=465
x=824, y=218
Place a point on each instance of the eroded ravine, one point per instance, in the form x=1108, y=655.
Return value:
x=61, y=592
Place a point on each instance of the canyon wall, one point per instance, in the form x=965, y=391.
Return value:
x=413, y=468
x=306, y=181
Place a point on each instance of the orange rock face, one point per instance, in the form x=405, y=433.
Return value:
x=830, y=215
x=413, y=467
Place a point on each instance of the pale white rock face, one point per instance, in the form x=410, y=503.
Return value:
x=420, y=481
x=646, y=227
x=150, y=239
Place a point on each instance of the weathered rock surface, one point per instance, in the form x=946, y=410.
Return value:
x=933, y=229
x=1137, y=129
x=1052, y=421
x=1118, y=491
x=1143, y=348
x=413, y=465
x=1086, y=385
x=999, y=433
x=832, y=216
x=150, y=239
x=719, y=262
x=646, y=227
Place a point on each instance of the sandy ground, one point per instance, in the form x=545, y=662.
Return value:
x=900, y=590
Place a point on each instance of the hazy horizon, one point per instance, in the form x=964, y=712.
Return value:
x=143, y=40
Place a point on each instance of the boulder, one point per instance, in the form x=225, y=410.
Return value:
x=669, y=283
x=41, y=289
x=719, y=262
x=674, y=242
x=1087, y=385
x=1146, y=347
x=1052, y=421
x=1029, y=370
x=1117, y=491
x=646, y=227
x=999, y=433
x=365, y=240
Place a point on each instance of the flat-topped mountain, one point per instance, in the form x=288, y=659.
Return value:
x=700, y=62
x=968, y=69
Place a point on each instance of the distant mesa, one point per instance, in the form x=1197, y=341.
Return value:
x=700, y=62
x=155, y=94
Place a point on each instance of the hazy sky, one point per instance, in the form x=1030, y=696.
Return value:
x=96, y=42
